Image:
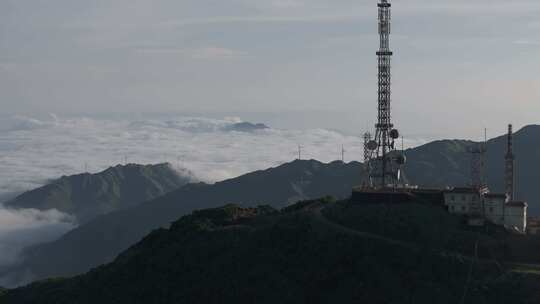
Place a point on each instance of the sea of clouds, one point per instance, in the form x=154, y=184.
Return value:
x=34, y=151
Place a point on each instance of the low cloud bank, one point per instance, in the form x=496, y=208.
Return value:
x=33, y=151
x=22, y=228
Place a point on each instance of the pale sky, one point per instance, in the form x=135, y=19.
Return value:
x=459, y=65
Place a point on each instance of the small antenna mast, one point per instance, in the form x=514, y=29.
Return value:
x=510, y=166
x=478, y=164
x=484, y=158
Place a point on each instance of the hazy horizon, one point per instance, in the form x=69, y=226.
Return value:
x=459, y=66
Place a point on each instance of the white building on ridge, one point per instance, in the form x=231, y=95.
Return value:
x=492, y=207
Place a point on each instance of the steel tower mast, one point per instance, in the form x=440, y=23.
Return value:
x=385, y=163
x=367, y=151
x=509, y=167
x=478, y=165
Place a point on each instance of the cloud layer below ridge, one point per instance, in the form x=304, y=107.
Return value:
x=33, y=151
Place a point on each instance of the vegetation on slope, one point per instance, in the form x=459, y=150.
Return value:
x=102, y=239
x=423, y=224
x=298, y=255
x=89, y=195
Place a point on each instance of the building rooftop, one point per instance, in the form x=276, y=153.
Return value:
x=517, y=204
x=462, y=190
x=495, y=195
x=427, y=190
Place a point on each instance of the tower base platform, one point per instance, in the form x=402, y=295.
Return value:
x=397, y=196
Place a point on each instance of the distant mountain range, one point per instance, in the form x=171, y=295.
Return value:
x=436, y=164
x=314, y=252
x=4, y=197
x=448, y=162
x=89, y=195
x=246, y=127
x=103, y=238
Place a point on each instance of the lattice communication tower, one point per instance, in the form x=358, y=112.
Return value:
x=509, y=166
x=385, y=162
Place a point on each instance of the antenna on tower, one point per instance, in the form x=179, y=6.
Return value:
x=478, y=156
x=484, y=158
x=367, y=148
x=300, y=152
x=343, y=154
x=510, y=166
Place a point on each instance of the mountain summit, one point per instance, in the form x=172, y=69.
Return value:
x=89, y=195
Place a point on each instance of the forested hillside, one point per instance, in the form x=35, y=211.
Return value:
x=314, y=252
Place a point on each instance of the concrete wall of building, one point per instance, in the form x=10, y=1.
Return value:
x=494, y=209
x=515, y=216
x=533, y=226
x=461, y=203
x=533, y=230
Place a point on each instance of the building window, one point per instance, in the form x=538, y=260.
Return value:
x=463, y=198
x=453, y=198
x=491, y=209
x=452, y=208
x=474, y=198
x=462, y=208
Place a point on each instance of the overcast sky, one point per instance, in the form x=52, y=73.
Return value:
x=455, y=60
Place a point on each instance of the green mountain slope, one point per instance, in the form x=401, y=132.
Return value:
x=447, y=162
x=307, y=254
x=89, y=195
x=439, y=163
x=102, y=239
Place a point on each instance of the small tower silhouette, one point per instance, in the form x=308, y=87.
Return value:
x=510, y=166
